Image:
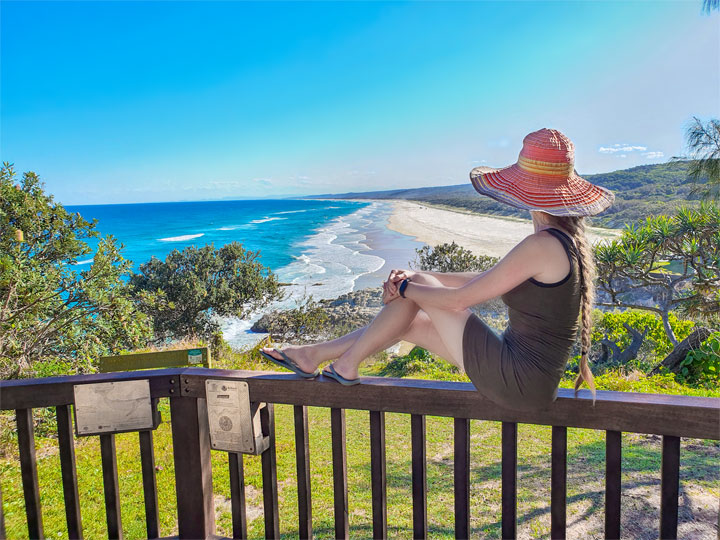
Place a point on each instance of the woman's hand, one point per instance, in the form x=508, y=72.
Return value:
x=396, y=277
x=388, y=294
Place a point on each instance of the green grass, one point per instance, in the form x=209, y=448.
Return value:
x=700, y=478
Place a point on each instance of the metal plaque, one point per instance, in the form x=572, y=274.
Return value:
x=234, y=426
x=113, y=407
x=195, y=357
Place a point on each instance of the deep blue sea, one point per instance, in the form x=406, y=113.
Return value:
x=324, y=248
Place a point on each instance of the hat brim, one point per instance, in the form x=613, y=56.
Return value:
x=558, y=196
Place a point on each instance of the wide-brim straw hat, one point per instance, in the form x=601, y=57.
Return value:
x=543, y=179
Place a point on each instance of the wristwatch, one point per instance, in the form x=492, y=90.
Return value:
x=403, y=286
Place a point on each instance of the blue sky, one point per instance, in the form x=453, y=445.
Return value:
x=131, y=101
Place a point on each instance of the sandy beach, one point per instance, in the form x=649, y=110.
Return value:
x=481, y=234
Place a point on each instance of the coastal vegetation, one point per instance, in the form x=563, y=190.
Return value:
x=54, y=316
x=187, y=292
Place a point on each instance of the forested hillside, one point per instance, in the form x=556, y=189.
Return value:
x=639, y=191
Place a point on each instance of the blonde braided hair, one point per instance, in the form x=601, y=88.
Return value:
x=575, y=225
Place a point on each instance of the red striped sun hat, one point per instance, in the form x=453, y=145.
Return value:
x=544, y=178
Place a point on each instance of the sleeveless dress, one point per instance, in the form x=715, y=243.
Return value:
x=521, y=369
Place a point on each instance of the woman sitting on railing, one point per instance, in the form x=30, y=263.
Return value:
x=546, y=282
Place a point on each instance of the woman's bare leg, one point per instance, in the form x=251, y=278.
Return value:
x=399, y=315
x=437, y=330
x=450, y=325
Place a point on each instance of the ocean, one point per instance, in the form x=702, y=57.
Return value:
x=323, y=248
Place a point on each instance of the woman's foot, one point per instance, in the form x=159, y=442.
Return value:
x=346, y=372
x=299, y=354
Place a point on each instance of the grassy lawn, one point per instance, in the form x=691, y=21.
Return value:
x=699, y=482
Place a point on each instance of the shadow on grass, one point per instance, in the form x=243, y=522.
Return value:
x=641, y=483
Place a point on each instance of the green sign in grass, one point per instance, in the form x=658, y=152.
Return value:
x=160, y=359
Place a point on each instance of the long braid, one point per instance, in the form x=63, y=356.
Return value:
x=576, y=226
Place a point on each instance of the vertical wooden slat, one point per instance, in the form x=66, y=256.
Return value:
x=110, y=485
x=193, y=472
x=66, y=445
x=558, y=488
x=28, y=471
x=669, y=486
x=419, y=476
x=147, y=462
x=2, y=518
x=237, y=494
x=509, y=479
x=302, y=461
x=340, y=493
x=462, y=477
x=269, y=472
x=378, y=473
x=613, y=473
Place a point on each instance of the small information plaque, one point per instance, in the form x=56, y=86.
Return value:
x=233, y=426
x=195, y=357
x=113, y=407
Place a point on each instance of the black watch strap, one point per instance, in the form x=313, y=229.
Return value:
x=403, y=286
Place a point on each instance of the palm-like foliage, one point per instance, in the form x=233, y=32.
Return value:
x=675, y=258
x=703, y=142
x=709, y=5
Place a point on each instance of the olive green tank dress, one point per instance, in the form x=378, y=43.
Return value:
x=521, y=369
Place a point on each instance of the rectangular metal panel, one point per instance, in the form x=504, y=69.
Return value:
x=233, y=426
x=114, y=407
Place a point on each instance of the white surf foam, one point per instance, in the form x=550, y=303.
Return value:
x=182, y=238
x=330, y=262
x=266, y=219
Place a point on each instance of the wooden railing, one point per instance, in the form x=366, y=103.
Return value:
x=670, y=416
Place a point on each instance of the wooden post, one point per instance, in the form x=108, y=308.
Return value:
x=193, y=474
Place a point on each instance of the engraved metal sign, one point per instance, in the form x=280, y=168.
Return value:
x=113, y=407
x=234, y=425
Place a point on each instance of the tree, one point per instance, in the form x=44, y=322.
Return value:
x=703, y=142
x=49, y=308
x=185, y=293
x=674, y=261
x=451, y=258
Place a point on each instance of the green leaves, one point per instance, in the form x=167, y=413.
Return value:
x=186, y=292
x=51, y=311
x=676, y=256
x=451, y=258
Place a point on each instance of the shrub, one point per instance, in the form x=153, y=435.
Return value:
x=451, y=258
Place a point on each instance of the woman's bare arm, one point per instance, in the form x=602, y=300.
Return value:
x=524, y=261
x=452, y=279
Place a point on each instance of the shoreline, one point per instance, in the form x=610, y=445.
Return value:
x=482, y=234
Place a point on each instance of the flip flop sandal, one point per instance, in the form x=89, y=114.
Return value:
x=289, y=363
x=339, y=378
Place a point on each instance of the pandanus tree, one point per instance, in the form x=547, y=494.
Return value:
x=664, y=264
x=703, y=144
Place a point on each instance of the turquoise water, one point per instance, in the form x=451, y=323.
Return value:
x=322, y=248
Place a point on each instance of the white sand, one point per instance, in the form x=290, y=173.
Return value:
x=481, y=234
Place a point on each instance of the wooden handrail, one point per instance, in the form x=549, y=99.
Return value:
x=659, y=414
